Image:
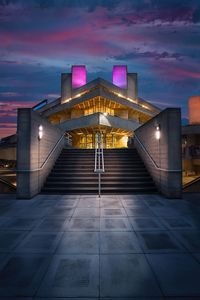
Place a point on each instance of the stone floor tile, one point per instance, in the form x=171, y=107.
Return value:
x=92, y=212
x=39, y=242
x=110, y=203
x=134, y=203
x=71, y=276
x=10, y=239
x=113, y=212
x=159, y=242
x=177, y=223
x=20, y=223
x=21, y=275
x=119, y=242
x=190, y=239
x=167, y=212
x=86, y=224
x=52, y=224
x=115, y=224
x=61, y=211
x=79, y=243
x=146, y=223
x=70, y=203
x=139, y=212
x=178, y=274
x=87, y=203
x=126, y=276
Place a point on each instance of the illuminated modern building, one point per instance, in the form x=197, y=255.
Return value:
x=48, y=162
x=84, y=108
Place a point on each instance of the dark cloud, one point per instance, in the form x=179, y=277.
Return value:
x=39, y=39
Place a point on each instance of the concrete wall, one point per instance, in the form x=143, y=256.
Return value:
x=32, y=152
x=166, y=152
x=8, y=153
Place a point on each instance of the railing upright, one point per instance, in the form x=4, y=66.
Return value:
x=99, y=160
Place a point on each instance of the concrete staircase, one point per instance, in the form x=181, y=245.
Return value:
x=73, y=173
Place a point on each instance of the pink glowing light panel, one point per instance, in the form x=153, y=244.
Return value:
x=78, y=76
x=119, y=76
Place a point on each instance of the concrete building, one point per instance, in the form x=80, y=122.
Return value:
x=85, y=108
x=112, y=109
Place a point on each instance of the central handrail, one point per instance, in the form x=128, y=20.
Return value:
x=99, y=160
x=152, y=160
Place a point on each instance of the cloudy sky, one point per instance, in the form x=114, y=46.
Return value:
x=39, y=39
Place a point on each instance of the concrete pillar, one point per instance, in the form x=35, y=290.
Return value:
x=132, y=90
x=66, y=86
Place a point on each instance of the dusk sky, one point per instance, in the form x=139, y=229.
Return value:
x=39, y=39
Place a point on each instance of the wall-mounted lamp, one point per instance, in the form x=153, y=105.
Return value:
x=157, y=133
x=40, y=132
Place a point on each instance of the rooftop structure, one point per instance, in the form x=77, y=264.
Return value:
x=84, y=108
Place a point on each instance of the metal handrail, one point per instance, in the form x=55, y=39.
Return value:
x=99, y=161
x=47, y=158
x=7, y=183
x=152, y=160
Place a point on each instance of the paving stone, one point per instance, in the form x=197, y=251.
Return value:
x=38, y=242
x=138, y=212
x=21, y=274
x=86, y=212
x=159, y=241
x=177, y=223
x=119, y=242
x=115, y=224
x=20, y=223
x=61, y=211
x=134, y=203
x=146, y=223
x=177, y=274
x=113, y=212
x=86, y=224
x=70, y=203
x=52, y=224
x=110, y=203
x=190, y=239
x=71, y=276
x=87, y=203
x=126, y=276
x=10, y=239
x=79, y=243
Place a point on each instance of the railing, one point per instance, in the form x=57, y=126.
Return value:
x=99, y=160
x=152, y=160
x=48, y=156
x=7, y=183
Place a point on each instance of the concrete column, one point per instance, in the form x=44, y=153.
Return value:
x=132, y=90
x=66, y=86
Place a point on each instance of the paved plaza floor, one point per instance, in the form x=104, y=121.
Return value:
x=115, y=247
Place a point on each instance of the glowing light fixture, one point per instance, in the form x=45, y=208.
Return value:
x=105, y=113
x=157, y=133
x=119, y=76
x=40, y=132
x=78, y=76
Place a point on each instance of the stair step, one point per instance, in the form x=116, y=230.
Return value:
x=73, y=173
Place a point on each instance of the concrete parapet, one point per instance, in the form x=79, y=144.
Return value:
x=164, y=160
x=32, y=152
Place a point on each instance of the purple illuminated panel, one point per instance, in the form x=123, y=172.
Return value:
x=119, y=76
x=78, y=76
